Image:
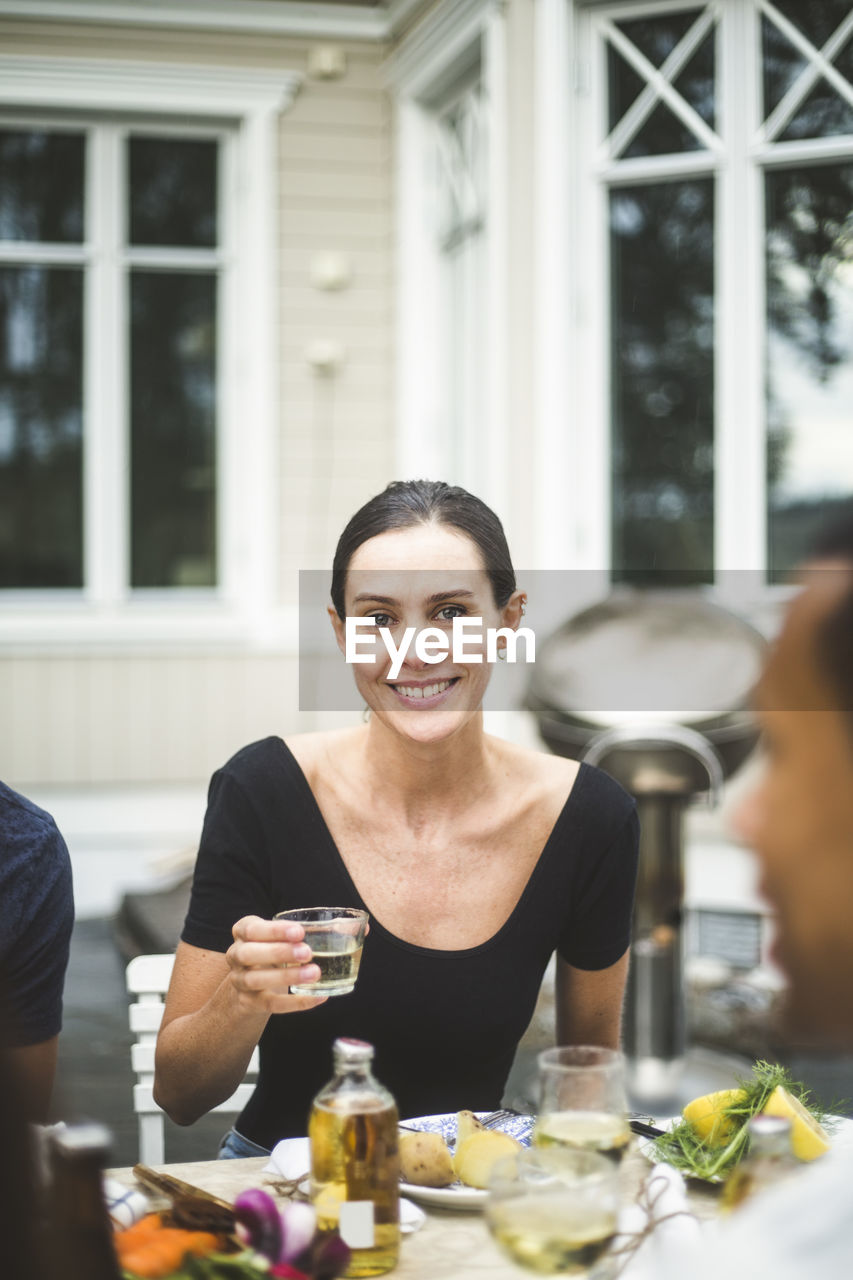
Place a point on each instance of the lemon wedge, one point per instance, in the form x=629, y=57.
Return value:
x=808, y=1138
x=706, y=1115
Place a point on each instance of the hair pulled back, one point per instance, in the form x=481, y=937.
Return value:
x=405, y=503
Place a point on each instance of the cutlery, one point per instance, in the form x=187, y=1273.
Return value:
x=169, y=1186
x=644, y=1130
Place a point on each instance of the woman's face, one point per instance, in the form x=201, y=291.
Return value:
x=419, y=577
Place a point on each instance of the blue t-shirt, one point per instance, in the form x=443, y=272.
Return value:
x=36, y=918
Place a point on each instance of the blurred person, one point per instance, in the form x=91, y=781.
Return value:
x=476, y=860
x=19, y=1205
x=36, y=919
x=799, y=821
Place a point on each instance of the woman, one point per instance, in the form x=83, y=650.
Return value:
x=475, y=858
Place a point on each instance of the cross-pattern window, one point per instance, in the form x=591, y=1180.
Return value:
x=725, y=152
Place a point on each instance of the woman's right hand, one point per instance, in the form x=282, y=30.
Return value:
x=264, y=960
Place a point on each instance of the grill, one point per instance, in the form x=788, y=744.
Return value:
x=655, y=689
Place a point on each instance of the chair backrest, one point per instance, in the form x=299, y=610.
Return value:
x=147, y=979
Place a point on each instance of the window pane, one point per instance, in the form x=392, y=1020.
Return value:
x=663, y=132
x=822, y=112
x=817, y=19
x=173, y=192
x=662, y=362
x=41, y=186
x=657, y=37
x=809, y=352
x=173, y=429
x=41, y=443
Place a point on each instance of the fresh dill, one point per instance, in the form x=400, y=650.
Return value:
x=682, y=1147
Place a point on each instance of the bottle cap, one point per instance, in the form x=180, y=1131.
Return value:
x=769, y=1126
x=348, y=1050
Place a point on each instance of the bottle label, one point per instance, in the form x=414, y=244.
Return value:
x=355, y=1225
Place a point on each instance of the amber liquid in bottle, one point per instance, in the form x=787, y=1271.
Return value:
x=770, y=1160
x=355, y=1165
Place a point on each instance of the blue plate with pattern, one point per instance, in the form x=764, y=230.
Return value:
x=458, y=1195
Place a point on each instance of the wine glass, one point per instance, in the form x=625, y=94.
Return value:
x=554, y=1209
x=582, y=1100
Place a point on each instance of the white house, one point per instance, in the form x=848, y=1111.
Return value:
x=592, y=260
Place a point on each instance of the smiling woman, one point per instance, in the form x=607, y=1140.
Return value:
x=475, y=859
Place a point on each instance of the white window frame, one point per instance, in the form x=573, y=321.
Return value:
x=241, y=107
x=572, y=395
x=428, y=64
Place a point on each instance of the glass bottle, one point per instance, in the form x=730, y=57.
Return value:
x=80, y=1232
x=355, y=1163
x=770, y=1160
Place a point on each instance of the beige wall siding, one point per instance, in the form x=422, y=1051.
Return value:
x=113, y=718
x=136, y=719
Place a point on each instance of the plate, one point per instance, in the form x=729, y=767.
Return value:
x=458, y=1195
x=647, y=1147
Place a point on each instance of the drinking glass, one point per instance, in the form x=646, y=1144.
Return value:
x=336, y=937
x=582, y=1100
x=554, y=1209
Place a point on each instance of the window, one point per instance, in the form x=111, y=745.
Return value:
x=720, y=140
x=449, y=76
x=42, y=185
x=151, y=234
x=138, y=406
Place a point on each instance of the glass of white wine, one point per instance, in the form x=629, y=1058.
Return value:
x=336, y=938
x=555, y=1210
x=582, y=1100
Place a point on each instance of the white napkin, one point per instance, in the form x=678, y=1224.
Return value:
x=665, y=1193
x=125, y=1205
x=291, y=1158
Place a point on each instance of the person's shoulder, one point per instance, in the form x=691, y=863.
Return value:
x=275, y=759
x=324, y=751
x=607, y=789
x=535, y=769
x=255, y=755
x=20, y=817
x=579, y=790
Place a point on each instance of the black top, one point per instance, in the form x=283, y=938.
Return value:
x=445, y=1023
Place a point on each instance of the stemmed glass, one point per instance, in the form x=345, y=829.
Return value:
x=582, y=1100
x=554, y=1210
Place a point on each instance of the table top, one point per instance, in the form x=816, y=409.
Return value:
x=452, y=1245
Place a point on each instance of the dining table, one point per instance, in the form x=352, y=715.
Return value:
x=450, y=1244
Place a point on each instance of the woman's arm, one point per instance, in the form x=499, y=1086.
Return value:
x=217, y=1007
x=589, y=1003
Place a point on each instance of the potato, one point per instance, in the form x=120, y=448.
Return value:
x=479, y=1153
x=425, y=1160
x=466, y=1124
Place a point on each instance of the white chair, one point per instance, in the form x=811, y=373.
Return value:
x=148, y=979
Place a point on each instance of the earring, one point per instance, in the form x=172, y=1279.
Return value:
x=523, y=605
x=502, y=653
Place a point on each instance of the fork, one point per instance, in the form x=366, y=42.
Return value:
x=497, y=1117
x=491, y=1121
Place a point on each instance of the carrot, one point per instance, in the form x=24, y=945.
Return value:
x=159, y=1251
x=140, y=1230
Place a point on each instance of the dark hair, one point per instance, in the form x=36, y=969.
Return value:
x=835, y=637
x=835, y=539
x=405, y=503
